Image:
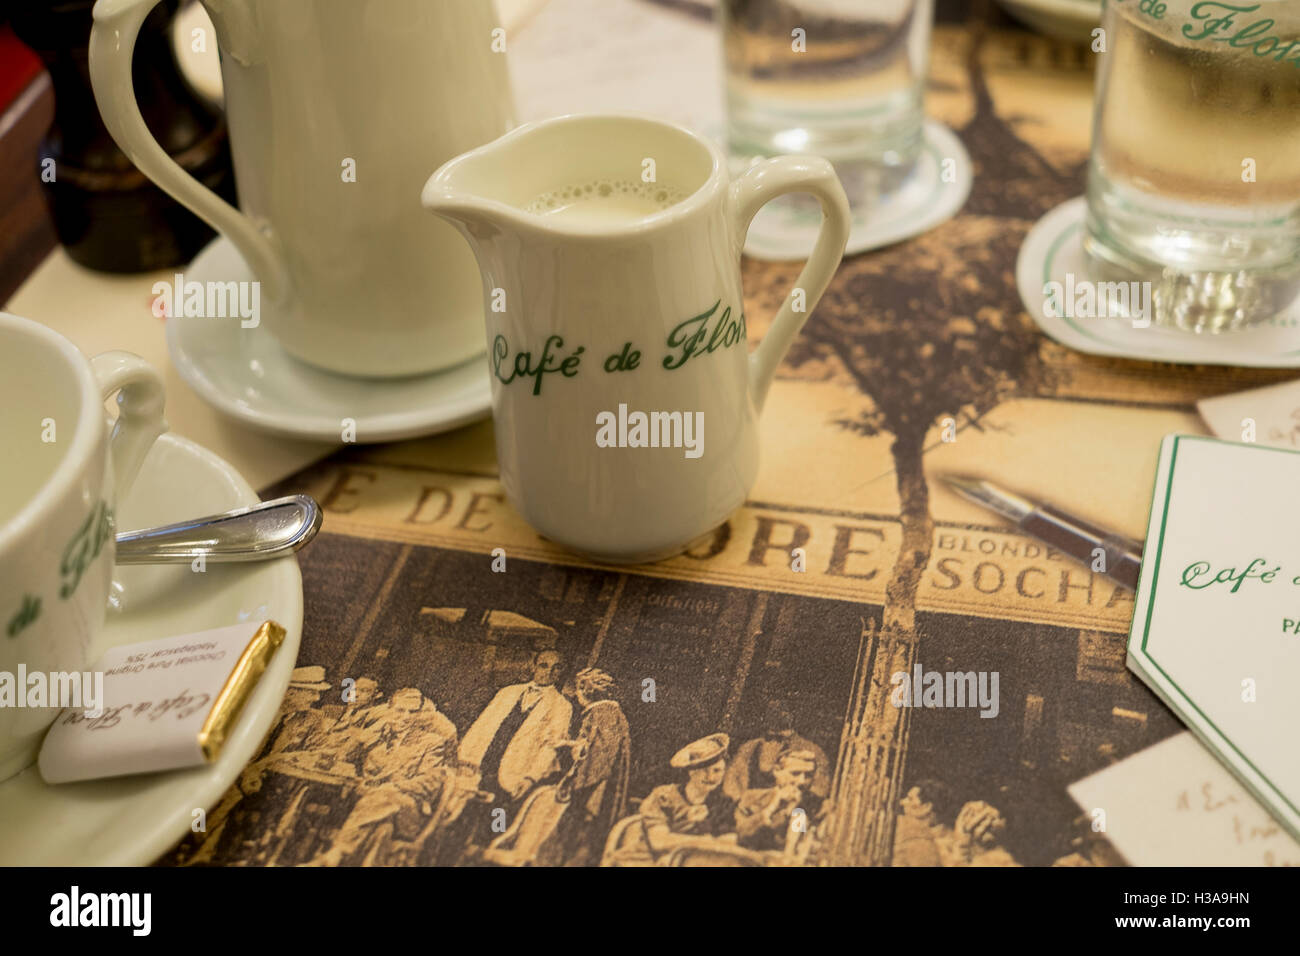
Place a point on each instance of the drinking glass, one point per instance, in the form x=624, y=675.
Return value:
x=842, y=79
x=1194, y=179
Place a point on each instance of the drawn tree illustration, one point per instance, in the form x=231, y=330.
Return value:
x=1012, y=177
x=929, y=330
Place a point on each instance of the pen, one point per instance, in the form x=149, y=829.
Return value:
x=1066, y=533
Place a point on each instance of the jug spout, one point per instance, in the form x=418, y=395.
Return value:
x=472, y=214
x=466, y=191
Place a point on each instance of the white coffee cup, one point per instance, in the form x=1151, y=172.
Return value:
x=62, y=474
x=337, y=109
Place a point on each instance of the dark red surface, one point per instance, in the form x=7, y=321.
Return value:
x=18, y=67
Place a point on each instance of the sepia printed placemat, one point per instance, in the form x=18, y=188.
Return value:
x=728, y=706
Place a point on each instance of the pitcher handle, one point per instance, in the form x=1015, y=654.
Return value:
x=759, y=185
x=112, y=43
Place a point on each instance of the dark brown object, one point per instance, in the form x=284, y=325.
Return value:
x=107, y=214
x=1067, y=534
x=26, y=232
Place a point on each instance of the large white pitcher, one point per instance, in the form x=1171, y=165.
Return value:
x=355, y=277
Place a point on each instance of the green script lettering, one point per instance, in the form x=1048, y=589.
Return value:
x=694, y=336
x=85, y=547
x=1219, y=26
x=1201, y=575
x=523, y=364
x=1213, y=25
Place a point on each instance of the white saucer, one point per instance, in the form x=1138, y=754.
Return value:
x=1054, y=247
x=130, y=821
x=784, y=231
x=245, y=374
x=1072, y=20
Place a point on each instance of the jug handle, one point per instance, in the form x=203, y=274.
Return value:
x=759, y=185
x=112, y=44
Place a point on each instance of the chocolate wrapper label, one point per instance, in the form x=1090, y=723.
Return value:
x=166, y=704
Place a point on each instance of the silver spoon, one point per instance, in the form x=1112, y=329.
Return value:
x=267, y=530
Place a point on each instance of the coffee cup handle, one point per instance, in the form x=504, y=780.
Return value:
x=112, y=44
x=140, y=397
x=759, y=185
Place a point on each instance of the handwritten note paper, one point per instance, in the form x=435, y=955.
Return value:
x=1175, y=805
x=1216, y=625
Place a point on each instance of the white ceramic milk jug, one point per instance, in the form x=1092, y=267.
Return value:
x=623, y=391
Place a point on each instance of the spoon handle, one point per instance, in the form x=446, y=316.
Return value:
x=267, y=530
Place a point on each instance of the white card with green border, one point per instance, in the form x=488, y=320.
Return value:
x=1216, y=629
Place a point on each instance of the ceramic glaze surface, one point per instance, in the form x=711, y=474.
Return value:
x=613, y=314
x=56, y=536
x=336, y=109
x=244, y=373
x=130, y=821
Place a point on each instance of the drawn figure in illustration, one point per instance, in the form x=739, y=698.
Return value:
x=974, y=838
x=683, y=824
x=408, y=748
x=314, y=780
x=300, y=724
x=509, y=749
x=567, y=821
x=780, y=817
x=755, y=760
x=919, y=829
x=512, y=743
x=1089, y=846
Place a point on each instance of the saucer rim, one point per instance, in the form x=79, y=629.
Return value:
x=423, y=420
x=168, y=829
x=1038, y=248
